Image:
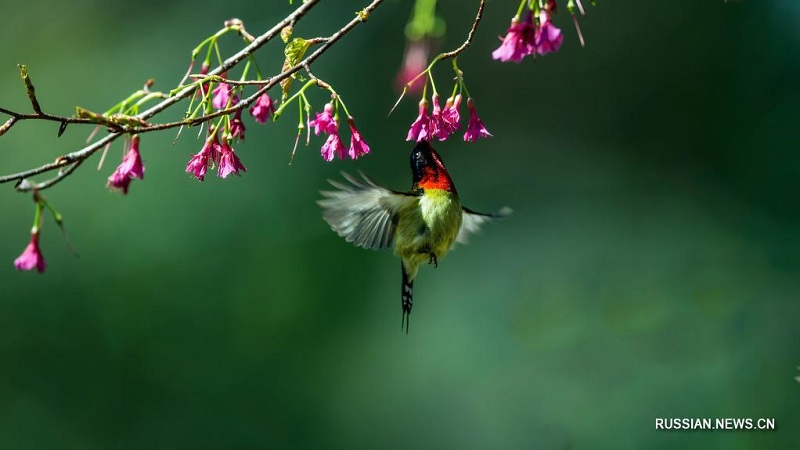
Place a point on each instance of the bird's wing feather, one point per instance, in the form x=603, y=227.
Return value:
x=363, y=212
x=472, y=222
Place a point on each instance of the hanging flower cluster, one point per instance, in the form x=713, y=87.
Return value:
x=217, y=151
x=218, y=93
x=532, y=31
x=327, y=122
x=32, y=257
x=442, y=122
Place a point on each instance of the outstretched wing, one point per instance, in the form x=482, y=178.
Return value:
x=472, y=222
x=363, y=212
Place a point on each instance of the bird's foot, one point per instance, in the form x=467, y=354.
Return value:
x=433, y=261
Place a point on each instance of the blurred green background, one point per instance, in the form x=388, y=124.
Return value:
x=651, y=267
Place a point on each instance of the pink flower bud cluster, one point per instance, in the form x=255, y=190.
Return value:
x=223, y=98
x=524, y=37
x=443, y=122
x=215, y=153
x=326, y=122
x=217, y=150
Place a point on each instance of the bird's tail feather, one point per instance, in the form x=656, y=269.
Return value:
x=407, y=295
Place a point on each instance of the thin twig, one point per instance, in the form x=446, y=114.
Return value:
x=49, y=182
x=202, y=79
x=29, y=89
x=311, y=75
x=60, y=161
x=8, y=124
x=44, y=116
x=470, y=36
x=38, y=114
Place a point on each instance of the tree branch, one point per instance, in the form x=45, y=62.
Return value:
x=271, y=82
x=74, y=159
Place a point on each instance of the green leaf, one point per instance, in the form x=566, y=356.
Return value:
x=295, y=50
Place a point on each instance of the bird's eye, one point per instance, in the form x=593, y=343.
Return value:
x=417, y=155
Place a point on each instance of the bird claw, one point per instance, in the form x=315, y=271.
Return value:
x=433, y=261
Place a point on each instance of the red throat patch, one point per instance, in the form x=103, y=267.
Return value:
x=429, y=170
x=436, y=178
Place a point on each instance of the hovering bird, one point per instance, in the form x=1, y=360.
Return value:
x=422, y=224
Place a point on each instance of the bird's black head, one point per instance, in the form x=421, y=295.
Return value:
x=420, y=159
x=428, y=169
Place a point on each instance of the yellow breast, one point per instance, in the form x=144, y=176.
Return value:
x=432, y=226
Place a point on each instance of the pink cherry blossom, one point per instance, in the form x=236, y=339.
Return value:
x=31, y=257
x=237, y=126
x=229, y=163
x=548, y=37
x=358, y=147
x=209, y=154
x=438, y=126
x=324, y=122
x=333, y=146
x=421, y=128
x=131, y=167
x=450, y=114
x=519, y=41
x=263, y=108
x=222, y=96
x=475, y=127
x=444, y=122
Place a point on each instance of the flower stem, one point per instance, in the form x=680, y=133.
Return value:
x=147, y=98
x=300, y=92
x=37, y=216
x=56, y=215
x=258, y=69
x=521, y=8
x=219, y=54
x=245, y=70
x=121, y=107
